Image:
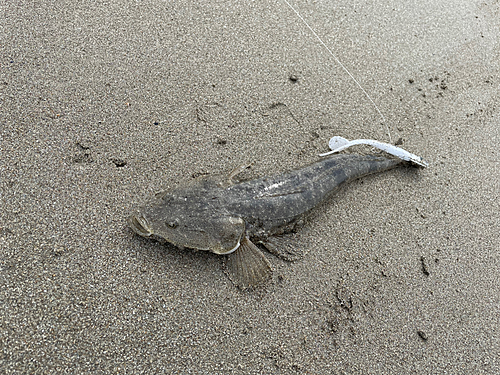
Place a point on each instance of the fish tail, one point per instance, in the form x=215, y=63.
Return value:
x=339, y=169
x=356, y=166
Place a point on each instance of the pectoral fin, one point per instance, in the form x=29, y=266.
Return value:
x=247, y=266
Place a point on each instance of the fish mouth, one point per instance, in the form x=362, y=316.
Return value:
x=139, y=225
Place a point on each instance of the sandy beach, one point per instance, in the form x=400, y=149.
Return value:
x=103, y=104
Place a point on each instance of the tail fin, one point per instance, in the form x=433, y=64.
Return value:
x=356, y=166
x=339, y=169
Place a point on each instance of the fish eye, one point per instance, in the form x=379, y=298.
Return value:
x=172, y=224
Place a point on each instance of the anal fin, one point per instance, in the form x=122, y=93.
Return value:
x=282, y=247
x=247, y=267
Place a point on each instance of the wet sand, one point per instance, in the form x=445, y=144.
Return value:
x=102, y=105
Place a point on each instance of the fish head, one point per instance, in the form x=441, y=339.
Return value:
x=188, y=224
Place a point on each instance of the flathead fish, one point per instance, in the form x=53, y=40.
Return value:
x=229, y=218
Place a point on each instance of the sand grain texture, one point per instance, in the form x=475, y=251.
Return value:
x=105, y=103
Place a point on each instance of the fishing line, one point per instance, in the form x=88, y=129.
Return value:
x=342, y=65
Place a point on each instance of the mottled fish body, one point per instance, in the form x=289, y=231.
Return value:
x=225, y=217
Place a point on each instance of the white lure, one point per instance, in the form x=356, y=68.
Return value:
x=338, y=144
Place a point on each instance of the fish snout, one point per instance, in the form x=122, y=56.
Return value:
x=139, y=225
